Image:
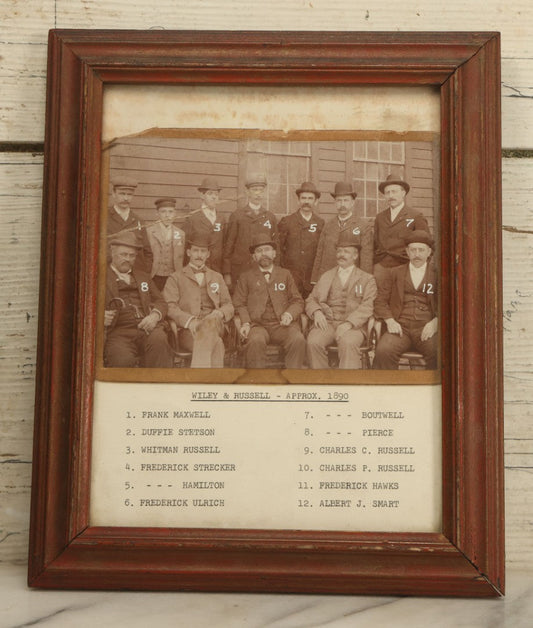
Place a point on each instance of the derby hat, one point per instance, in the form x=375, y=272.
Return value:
x=262, y=239
x=307, y=186
x=420, y=237
x=165, y=202
x=255, y=178
x=393, y=179
x=123, y=181
x=343, y=188
x=348, y=238
x=125, y=238
x=199, y=240
x=209, y=183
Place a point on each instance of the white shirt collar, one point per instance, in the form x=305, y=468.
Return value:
x=394, y=212
x=344, y=273
x=256, y=208
x=417, y=274
x=126, y=277
x=210, y=214
x=123, y=213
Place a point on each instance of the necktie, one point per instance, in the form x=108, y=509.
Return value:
x=267, y=276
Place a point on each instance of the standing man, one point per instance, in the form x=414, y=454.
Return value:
x=298, y=237
x=166, y=241
x=134, y=310
x=121, y=218
x=393, y=225
x=407, y=302
x=345, y=220
x=206, y=222
x=198, y=300
x=244, y=225
x=339, y=306
x=269, y=305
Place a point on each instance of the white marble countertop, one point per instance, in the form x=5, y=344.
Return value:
x=20, y=606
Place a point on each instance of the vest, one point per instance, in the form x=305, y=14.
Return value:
x=131, y=313
x=337, y=297
x=166, y=263
x=416, y=306
x=206, y=305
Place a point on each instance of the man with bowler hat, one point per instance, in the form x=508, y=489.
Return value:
x=340, y=305
x=345, y=220
x=244, y=225
x=134, y=311
x=121, y=218
x=393, y=225
x=298, y=237
x=407, y=302
x=166, y=241
x=207, y=222
x=199, y=302
x=269, y=305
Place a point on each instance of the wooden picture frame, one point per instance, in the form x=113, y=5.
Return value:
x=467, y=557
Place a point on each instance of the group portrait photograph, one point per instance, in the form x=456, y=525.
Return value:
x=271, y=253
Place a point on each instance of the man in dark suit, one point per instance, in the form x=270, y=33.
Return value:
x=392, y=226
x=121, y=218
x=269, y=306
x=345, y=221
x=339, y=306
x=134, y=310
x=198, y=300
x=244, y=225
x=207, y=223
x=407, y=302
x=298, y=237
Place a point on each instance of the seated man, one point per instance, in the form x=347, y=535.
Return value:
x=407, y=302
x=199, y=302
x=269, y=305
x=340, y=305
x=134, y=309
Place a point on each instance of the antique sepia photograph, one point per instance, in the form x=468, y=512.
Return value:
x=271, y=253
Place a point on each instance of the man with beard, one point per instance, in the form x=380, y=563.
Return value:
x=121, y=219
x=339, y=306
x=407, y=302
x=206, y=222
x=269, y=305
x=392, y=226
x=134, y=310
x=344, y=221
x=244, y=225
x=198, y=300
x=298, y=237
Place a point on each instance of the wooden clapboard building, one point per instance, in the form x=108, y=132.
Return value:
x=175, y=167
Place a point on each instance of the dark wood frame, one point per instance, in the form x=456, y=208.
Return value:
x=467, y=558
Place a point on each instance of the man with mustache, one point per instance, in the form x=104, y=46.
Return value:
x=407, y=302
x=345, y=221
x=269, y=305
x=392, y=226
x=134, y=311
x=198, y=300
x=339, y=306
x=298, y=237
x=121, y=218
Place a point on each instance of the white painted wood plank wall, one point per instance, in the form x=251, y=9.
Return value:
x=23, y=39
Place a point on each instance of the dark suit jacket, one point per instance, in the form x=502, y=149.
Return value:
x=115, y=224
x=326, y=254
x=151, y=299
x=252, y=292
x=198, y=225
x=298, y=242
x=183, y=295
x=243, y=225
x=389, y=244
x=389, y=302
x=360, y=298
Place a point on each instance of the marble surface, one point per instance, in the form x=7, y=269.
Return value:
x=20, y=606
